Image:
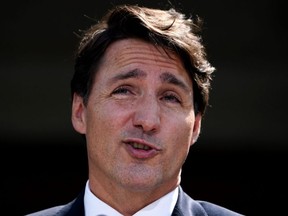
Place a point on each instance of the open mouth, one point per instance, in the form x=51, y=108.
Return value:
x=140, y=146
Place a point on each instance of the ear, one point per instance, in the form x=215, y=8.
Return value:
x=78, y=114
x=196, y=128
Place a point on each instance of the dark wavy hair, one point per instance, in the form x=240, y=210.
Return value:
x=168, y=29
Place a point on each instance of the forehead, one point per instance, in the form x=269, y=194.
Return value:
x=129, y=54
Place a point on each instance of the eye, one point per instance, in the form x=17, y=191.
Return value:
x=121, y=90
x=171, y=97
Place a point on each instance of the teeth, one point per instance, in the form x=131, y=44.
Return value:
x=140, y=146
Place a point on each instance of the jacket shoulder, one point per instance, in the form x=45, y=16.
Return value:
x=73, y=208
x=213, y=209
x=53, y=211
x=185, y=206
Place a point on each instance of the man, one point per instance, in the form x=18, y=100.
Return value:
x=140, y=89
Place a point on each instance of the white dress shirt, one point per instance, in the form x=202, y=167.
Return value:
x=162, y=207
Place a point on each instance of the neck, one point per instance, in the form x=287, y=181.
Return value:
x=128, y=201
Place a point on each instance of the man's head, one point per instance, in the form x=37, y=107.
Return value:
x=168, y=29
x=138, y=74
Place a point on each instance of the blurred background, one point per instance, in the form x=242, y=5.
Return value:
x=240, y=159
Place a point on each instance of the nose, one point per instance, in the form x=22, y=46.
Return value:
x=147, y=115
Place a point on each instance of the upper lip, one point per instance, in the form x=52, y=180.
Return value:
x=141, y=141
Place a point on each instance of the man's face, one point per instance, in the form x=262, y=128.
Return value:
x=139, y=121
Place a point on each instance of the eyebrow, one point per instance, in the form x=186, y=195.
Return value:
x=172, y=79
x=136, y=73
x=166, y=77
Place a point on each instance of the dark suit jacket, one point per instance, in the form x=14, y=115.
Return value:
x=185, y=206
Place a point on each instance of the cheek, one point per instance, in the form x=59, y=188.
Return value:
x=179, y=145
x=100, y=111
x=184, y=131
x=104, y=120
x=179, y=140
x=100, y=127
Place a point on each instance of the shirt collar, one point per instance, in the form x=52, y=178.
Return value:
x=96, y=207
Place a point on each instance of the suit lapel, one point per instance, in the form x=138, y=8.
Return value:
x=76, y=207
x=186, y=206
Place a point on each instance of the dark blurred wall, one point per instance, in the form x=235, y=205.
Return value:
x=242, y=147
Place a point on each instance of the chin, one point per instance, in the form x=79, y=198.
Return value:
x=141, y=185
